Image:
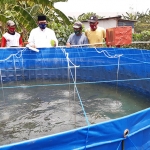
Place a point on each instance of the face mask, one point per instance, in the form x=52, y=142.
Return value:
x=76, y=32
x=11, y=29
x=42, y=26
x=93, y=27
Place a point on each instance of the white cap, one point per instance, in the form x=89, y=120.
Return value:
x=10, y=23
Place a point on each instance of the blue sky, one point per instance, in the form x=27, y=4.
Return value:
x=102, y=8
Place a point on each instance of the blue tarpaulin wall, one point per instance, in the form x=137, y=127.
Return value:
x=120, y=66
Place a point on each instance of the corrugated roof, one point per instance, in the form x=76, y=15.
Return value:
x=114, y=17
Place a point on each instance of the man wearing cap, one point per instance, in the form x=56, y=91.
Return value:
x=11, y=38
x=77, y=38
x=96, y=35
x=42, y=36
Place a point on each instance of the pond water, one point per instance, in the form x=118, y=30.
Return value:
x=29, y=111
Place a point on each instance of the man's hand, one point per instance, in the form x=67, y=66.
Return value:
x=53, y=43
x=68, y=45
x=33, y=46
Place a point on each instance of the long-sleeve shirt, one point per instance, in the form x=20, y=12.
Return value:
x=42, y=38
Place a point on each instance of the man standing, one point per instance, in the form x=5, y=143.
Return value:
x=42, y=36
x=11, y=38
x=77, y=38
x=95, y=34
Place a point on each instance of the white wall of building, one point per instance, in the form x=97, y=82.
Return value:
x=108, y=23
x=103, y=23
x=86, y=25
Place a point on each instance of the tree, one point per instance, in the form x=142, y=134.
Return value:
x=143, y=20
x=25, y=12
x=131, y=16
x=84, y=17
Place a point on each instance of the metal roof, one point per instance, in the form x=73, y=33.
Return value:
x=114, y=17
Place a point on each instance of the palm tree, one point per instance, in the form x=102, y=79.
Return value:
x=143, y=20
x=131, y=16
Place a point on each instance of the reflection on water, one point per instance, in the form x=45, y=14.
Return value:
x=31, y=112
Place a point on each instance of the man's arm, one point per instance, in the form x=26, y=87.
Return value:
x=3, y=42
x=68, y=44
x=20, y=42
x=31, y=39
x=86, y=41
x=54, y=39
x=104, y=34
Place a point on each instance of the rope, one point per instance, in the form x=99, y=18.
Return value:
x=80, y=101
x=73, y=66
x=41, y=85
x=133, y=144
x=74, y=83
x=12, y=55
x=82, y=45
x=76, y=89
x=119, y=145
x=110, y=56
x=2, y=85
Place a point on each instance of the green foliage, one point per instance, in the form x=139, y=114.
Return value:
x=142, y=29
x=138, y=38
x=54, y=1
x=143, y=20
x=62, y=32
x=131, y=16
x=24, y=13
x=143, y=36
x=86, y=16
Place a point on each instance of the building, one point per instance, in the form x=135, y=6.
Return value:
x=112, y=22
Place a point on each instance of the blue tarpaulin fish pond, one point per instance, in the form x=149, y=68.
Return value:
x=122, y=67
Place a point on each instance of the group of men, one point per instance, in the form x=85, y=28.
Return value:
x=93, y=36
x=42, y=36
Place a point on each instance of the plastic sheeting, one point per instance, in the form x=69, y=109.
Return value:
x=127, y=67
x=107, y=135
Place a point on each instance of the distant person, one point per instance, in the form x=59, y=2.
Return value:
x=42, y=36
x=78, y=37
x=95, y=34
x=11, y=38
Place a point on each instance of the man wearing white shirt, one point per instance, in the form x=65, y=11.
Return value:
x=11, y=38
x=42, y=36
